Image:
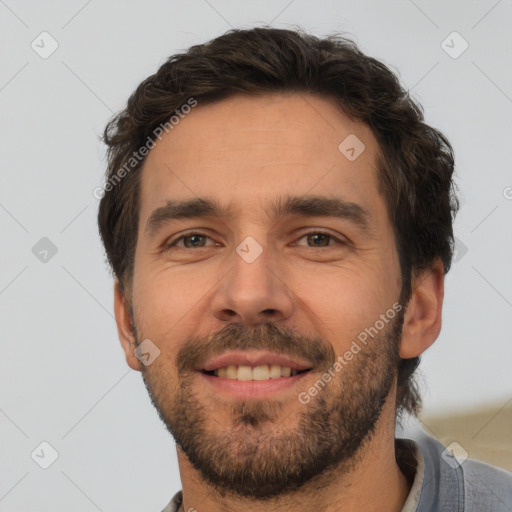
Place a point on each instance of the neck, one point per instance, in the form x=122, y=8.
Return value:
x=374, y=484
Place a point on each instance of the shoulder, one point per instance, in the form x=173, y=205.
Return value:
x=460, y=483
x=487, y=487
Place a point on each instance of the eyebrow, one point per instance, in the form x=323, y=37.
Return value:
x=303, y=206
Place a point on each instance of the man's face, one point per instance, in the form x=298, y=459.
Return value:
x=272, y=282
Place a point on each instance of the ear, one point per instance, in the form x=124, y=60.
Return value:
x=124, y=327
x=422, y=320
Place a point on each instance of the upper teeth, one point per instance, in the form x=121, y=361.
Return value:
x=264, y=372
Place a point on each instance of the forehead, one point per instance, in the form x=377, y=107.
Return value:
x=243, y=149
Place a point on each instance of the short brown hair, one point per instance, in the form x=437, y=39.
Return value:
x=415, y=163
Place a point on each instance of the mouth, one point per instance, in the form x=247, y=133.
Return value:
x=257, y=373
x=255, y=365
x=254, y=374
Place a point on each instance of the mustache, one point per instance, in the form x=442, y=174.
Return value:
x=265, y=336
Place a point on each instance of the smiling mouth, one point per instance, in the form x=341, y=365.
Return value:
x=254, y=373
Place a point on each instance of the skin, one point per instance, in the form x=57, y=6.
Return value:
x=242, y=151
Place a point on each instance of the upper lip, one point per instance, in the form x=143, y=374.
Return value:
x=255, y=358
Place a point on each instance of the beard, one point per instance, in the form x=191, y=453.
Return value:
x=256, y=456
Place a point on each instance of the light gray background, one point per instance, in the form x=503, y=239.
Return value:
x=63, y=375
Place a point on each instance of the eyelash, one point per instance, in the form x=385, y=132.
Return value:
x=314, y=232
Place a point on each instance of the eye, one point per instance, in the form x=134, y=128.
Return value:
x=319, y=239
x=314, y=239
x=190, y=241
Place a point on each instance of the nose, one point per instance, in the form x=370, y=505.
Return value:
x=252, y=293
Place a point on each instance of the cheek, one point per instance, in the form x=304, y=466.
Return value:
x=168, y=302
x=341, y=302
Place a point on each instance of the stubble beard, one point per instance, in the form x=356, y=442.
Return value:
x=256, y=456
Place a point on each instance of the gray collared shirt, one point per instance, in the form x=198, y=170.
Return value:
x=443, y=483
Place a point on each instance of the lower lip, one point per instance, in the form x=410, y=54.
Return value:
x=256, y=389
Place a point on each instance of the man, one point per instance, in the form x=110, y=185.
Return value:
x=279, y=221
